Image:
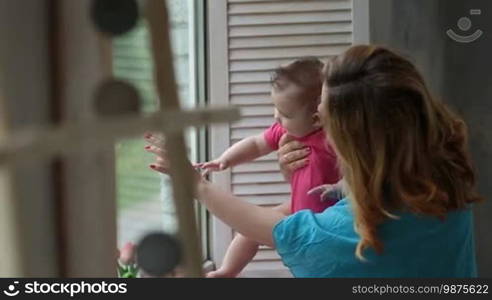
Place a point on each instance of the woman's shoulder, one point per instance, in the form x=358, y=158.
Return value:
x=340, y=212
x=337, y=223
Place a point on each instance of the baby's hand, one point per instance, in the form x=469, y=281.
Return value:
x=212, y=166
x=328, y=191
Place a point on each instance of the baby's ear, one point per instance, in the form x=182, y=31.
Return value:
x=317, y=120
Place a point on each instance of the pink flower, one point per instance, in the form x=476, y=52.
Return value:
x=127, y=254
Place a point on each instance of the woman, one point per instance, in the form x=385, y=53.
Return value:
x=408, y=176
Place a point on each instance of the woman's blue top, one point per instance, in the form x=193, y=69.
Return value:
x=323, y=245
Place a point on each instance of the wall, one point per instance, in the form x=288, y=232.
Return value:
x=467, y=78
x=459, y=73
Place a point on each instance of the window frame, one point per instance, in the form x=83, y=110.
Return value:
x=220, y=235
x=198, y=90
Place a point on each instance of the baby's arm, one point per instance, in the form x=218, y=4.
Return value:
x=247, y=149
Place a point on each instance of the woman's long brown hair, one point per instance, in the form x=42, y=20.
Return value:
x=399, y=147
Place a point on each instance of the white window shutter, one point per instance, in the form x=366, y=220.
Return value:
x=248, y=40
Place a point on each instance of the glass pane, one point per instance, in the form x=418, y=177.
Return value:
x=144, y=197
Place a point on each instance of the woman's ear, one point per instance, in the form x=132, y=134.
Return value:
x=317, y=120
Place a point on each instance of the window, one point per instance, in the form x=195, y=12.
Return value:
x=144, y=197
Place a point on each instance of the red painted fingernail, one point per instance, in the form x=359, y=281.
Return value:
x=147, y=147
x=152, y=166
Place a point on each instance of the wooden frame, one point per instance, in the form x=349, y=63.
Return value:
x=10, y=245
x=86, y=222
x=28, y=243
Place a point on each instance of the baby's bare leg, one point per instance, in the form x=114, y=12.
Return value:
x=241, y=251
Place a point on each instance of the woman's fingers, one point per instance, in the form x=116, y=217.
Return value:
x=161, y=163
x=159, y=167
x=297, y=164
x=155, y=150
x=290, y=147
x=154, y=139
x=291, y=150
x=294, y=155
x=157, y=147
x=294, y=160
x=291, y=155
x=285, y=139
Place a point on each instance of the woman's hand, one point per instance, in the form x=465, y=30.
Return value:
x=292, y=155
x=156, y=147
x=162, y=164
x=250, y=220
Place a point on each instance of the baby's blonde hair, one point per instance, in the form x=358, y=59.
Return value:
x=307, y=74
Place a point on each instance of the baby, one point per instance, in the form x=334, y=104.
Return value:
x=296, y=90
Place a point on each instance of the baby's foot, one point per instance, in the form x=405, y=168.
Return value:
x=221, y=273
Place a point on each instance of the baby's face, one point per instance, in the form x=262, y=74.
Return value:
x=296, y=118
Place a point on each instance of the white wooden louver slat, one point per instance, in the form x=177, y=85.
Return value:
x=241, y=133
x=258, y=178
x=290, y=41
x=262, y=64
x=256, y=110
x=250, y=77
x=251, y=100
x=281, y=52
x=289, y=29
x=254, y=7
x=260, y=188
x=289, y=18
x=257, y=166
x=266, y=199
x=253, y=122
x=249, y=88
